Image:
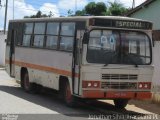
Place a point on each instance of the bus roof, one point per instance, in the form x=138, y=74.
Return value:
x=78, y=18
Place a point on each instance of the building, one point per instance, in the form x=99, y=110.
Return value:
x=2, y=48
x=150, y=10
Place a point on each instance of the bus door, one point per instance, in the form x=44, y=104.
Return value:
x=77, y=62
x=12, y=53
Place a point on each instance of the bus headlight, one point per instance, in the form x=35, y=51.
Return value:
x=90, y=84
x=95, y=84
x=140, y=85
x=144, y=85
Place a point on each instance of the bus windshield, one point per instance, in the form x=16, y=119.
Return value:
x=119, y=47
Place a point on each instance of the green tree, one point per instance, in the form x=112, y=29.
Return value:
x=80, y=12
x=38, y=15
x=90, y=8
x=70, y=12
x=100, y=8
x=97, y=9
x=116, y=9
x=50, y=14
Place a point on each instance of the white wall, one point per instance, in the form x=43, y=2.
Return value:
x=156, y=60
x=2, y=48
x=150, y=13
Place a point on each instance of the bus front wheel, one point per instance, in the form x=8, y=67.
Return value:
x=68, y=97
x=30, y=87
x=120, y=103
x=26, y=83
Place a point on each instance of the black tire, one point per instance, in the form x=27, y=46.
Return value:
x=22, y=83
x=27, y=85
x=121, y=103
x=68, y=97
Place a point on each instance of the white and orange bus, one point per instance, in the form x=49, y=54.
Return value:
x=83, y=57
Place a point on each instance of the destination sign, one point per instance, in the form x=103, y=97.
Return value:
x=132, y=24
x=123, y=24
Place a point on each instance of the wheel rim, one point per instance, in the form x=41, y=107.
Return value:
x=68, y=94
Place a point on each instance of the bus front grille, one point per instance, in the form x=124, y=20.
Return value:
x=118, y=85
x=119, y=76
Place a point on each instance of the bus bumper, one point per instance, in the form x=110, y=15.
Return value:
x=116, y=94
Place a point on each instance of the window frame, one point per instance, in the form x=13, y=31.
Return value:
x=129, y=30
x=33, y=35
x=74, y=36
x=46, y=35
x=27, y=34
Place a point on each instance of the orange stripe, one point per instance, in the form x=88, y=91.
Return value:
x=7, y=61
x=44, y=68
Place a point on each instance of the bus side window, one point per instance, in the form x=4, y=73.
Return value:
x=52, y=35
x=27, y=32
x=39, y=31
x=67, y=36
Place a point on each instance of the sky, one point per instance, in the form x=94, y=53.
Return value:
x=57, y=7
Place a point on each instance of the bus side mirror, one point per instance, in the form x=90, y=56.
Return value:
x=5, y=40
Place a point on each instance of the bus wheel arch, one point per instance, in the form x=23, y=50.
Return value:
x=25, y=81
x=66, y=91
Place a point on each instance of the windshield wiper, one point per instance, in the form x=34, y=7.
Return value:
x=129, y=57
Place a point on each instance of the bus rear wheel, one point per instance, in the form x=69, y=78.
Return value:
x=120, y=103
x=68, y=97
